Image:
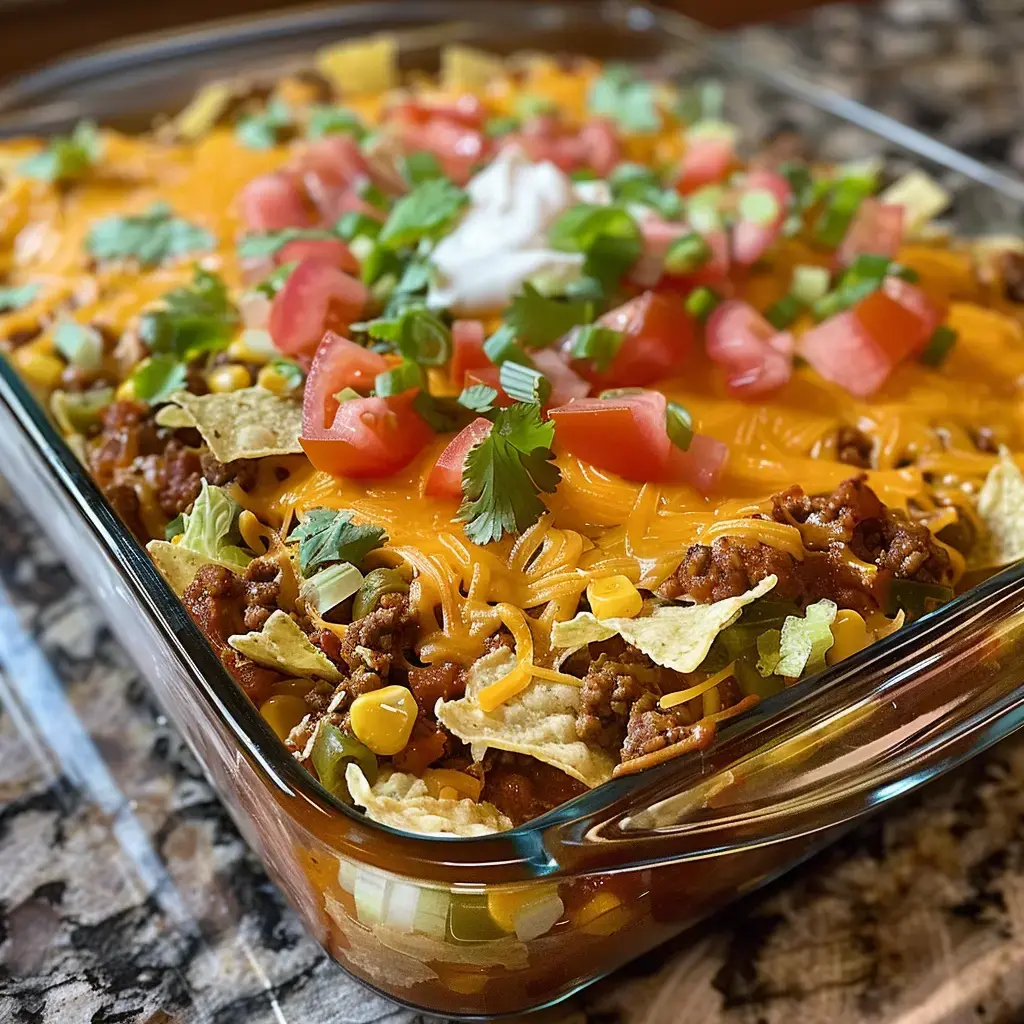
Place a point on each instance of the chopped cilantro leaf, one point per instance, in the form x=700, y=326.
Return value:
x=17, y=296
x=193, y=320
x=274, y=281
x=353, y=224
x=607, y=235
x=634, y=183
x=257, y=246
x=505, y=473
x=478, y=398
x=267, y=128
x=328, y=535
x=150, y=237
x=66, y=157
x=156, y=379
x=420, y=166
x=325, y=120
x=538, y=321
x=428, y=211
x=627, y=100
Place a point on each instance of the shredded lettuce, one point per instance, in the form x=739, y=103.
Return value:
x=800, y=647
x=209, y=525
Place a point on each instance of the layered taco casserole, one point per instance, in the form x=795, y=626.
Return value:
x=512, y=429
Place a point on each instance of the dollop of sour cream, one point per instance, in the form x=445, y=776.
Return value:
x=501, y=240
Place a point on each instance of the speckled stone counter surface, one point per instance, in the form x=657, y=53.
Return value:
x=126, y=895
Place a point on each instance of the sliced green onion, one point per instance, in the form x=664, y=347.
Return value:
x=377, y=583
x=478, y=398
x=846, y=197
x=398, y=379
x=687, y=254
x=701, y=303
x=524, y=383
x=80, y=345
x=597, y=343
x=704, y=209
x=782, y=313
x=502, y=347
x=940, y=344
x=759, y=206
x=373, y=194
x=809, y=283
x=332, y=751
x=867, y=266
x=679, y=425
x=329, y=587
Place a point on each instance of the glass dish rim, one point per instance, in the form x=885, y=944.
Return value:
x=254, y=737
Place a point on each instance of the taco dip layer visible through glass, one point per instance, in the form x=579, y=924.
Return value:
x=548, y=453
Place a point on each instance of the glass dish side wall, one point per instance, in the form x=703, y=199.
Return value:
x=623, y=868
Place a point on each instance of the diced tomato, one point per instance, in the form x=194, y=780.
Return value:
x=844, y=349
x=467, y=348
x=467, y=110
x=918, y=302
x=600, y=147
x=658, y=339
x=316, y=298
x=566, y=384
x=757, y=358
x=458, y=148
x=273, y=202
x=327, y=250
x=445, y=479
x=339, y=364
x=705, y=162
x=895, y=328
x=364, y=437
x=752, y=239
x=627, y=436
x=487, y=375
x=331, y=167
x=876, y=230
x=658, y=236
x=546, y=137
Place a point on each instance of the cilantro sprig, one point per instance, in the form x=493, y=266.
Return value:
x=537, y=320
x=427, y=212
x=67, y=157
x=157, y=378
x=150, y=238
x=607, y=236
x=506, y=472
x=192, y=321
x=328, y=535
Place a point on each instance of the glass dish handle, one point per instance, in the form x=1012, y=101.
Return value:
x=830, y=749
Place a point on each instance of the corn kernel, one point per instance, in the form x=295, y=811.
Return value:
x=447, y=793
x=383, y=719
x=125, y=391
x=273, y=380
x=504, y=904
x=40, y=368
x=439, y=779
x=283, y=712
x=230, y=377
x=253, y=346
x=851, y=635
x=614, y=597
x=601, y=915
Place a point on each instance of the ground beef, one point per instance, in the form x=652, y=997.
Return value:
x=611, y=687
x=984, y=439
x=256, y=681
x=446, y=681
x=852, y=516
x=502, y=639
x=180, y=478
x=428, y=744
x=377, y=639
x=854, y=447
x=650, y=729
x=522, y=787
x=127, y=431
x=241, y=471
x=262, y=589
x=125, y=502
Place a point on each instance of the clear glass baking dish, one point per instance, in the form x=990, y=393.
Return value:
x=622, y=868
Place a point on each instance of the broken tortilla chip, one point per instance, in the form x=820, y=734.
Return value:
x=177, y=563
x=246, y=424
x=466, y=69
x=1001, y=508
x=281, y=644
x=360, y=67
x=675, y=636
x=401, y=801
x=540, y=721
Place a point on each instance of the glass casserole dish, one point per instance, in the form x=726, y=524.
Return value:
x=622, y=867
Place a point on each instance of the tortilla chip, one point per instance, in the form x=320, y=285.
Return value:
x=1001, y=508
x=177, y=563
x=540, y=721
x=465, y=69
x=281, y=644
x=246, y=424
x=204, y=110
x=174, y=417
x=362, y=66
x=676, y=636
x=402, y=801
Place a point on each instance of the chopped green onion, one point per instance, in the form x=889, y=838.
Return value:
x=478, y=398
x=502, y=347
x=701, y=303
x=398, y=379
x=524, y=383
x=846, y=197
x=329, y=587
x=332, y=751
x=759, y=206
x=782, y=313
x=939, y=346
x=704, y=209
x=809, y=283
x=867, y=265
x=597, y=343
x=80, y=345
x=687, y=254
x=844, y=297
x=679, y=425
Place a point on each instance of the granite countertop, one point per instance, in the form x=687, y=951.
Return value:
x=127, y=896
